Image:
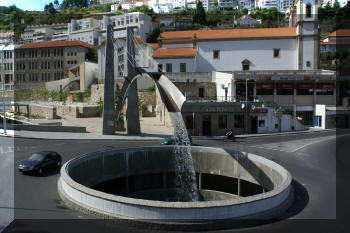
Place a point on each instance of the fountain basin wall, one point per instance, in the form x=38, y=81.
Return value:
x=149, y=170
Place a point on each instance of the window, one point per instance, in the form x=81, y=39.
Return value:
x=308, y=63
x=182, y=67
x=305, y=91
x=216, y=54
x=308, y=11
x=261, y=123
x=189, y=122
x=245, y=64
x=160, y=68
x=169, y=67
x=276, y=53
x=239, y=121
x=285, y=91
x=201, y=92
x=222, y=121
x=264, y=91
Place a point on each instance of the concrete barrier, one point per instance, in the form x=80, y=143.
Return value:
x=79, y=175
x=48, y=128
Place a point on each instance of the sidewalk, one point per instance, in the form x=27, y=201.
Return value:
x=142, y=137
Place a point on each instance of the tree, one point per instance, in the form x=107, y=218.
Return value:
x=120, y=8
x=199, y=16
x=244, y=11
x=50, y=9
x=78, y=3
x=56, y=2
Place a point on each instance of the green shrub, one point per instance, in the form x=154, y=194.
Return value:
x=64, y=96
x=54, y=95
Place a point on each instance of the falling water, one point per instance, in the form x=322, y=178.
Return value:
x=185, y=176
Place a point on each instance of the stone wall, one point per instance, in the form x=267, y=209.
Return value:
x=48, y=112
x=148, y=103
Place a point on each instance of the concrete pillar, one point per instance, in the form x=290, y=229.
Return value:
x=335, y=92
x=199, y=181
x=274, y=92
x=233, y=89
x=132, y=111
x=164, y=180
x=108, y=101
x=238, y=187
x=294, y=103
x=314, y=97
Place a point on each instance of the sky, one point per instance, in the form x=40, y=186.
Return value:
x=29, y=5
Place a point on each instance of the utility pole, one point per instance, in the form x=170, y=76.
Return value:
x=246, y=106
x=3, y=88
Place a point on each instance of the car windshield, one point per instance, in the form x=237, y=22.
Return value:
x=36, y=157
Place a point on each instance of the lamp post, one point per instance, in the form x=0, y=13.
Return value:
x=3, y=88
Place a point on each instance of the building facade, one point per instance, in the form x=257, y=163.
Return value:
x=336, y=41
x=38, y=63
x=7, y=68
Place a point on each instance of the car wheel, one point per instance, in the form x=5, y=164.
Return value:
x=40, y=171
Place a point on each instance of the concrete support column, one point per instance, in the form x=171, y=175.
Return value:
x=274, y=92
x=239, y=187
x=233, y=89
x=164, y=180
x=335, y=92
x=199, y=180
x=254, y=89
x=314, y=97
x=127, y=185
x=294, y=103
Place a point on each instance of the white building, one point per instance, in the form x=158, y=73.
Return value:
x=45, y=32
x=226, y=4
x=267, y=4
x=342, y=3
x=105, y=2
x=246, y=4
x=245, y=20
x=86, y=30
x=142, y=22
x=281, y=64
x=8, y=64
x=6, y=37
x=208, y=4
x=127, y=5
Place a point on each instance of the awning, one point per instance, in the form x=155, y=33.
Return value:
x=285, y=86
x=305, y=86
x=325, y=86
x=264, y=86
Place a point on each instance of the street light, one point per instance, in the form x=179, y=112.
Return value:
x=3, y=88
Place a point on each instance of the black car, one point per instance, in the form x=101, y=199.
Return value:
x=40, y=161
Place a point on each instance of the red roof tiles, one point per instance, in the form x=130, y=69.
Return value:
x=182, y=52
x=230, y=33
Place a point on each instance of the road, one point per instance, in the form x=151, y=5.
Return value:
x=317, y=161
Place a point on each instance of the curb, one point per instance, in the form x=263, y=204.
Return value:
x=140, y=138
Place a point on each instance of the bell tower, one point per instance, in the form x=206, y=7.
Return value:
x=307, y=33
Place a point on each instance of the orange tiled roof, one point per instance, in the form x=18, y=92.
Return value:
x=336, y=42
x=49, y=44
x=154, y=45
x=340, y=32
x=182, y=52
x=230, y=33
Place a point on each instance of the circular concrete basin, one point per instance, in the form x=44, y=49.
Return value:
x=138, y=184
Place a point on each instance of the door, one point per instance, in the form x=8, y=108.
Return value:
x=206, y=125
x=254, y=124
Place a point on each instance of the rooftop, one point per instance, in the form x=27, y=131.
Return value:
x=182, y=52
x=340, y=32
x=49, y=44
x=230, y=33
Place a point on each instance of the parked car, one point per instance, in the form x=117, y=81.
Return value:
x=40, y=161
x=171, y=140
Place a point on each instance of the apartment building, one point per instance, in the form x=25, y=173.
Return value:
x=44, y=32
x=8, y=68
x=6, y=37
x=336, y=41
x=85, y=30
x=37, y=63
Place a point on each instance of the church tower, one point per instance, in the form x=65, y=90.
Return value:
x=308, y=34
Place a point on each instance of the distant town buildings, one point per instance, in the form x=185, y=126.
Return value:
x=342, y=3
x=41, y=62
x=9, y=64
x=44, y=32
x=336, y=41
x=6, y=37
x=245, y=20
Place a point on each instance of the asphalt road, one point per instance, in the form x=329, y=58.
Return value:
x=319, y=164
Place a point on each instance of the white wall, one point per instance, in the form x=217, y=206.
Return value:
x=258, y=52
x=90, y=72
x=223, y=80
x=308, y=52
x=176, y=64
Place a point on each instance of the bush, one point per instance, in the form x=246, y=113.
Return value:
x=54, y=95
x=64, y=96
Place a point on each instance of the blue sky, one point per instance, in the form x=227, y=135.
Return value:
x=27, y=4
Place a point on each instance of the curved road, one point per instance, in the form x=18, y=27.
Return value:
x=317, y=161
